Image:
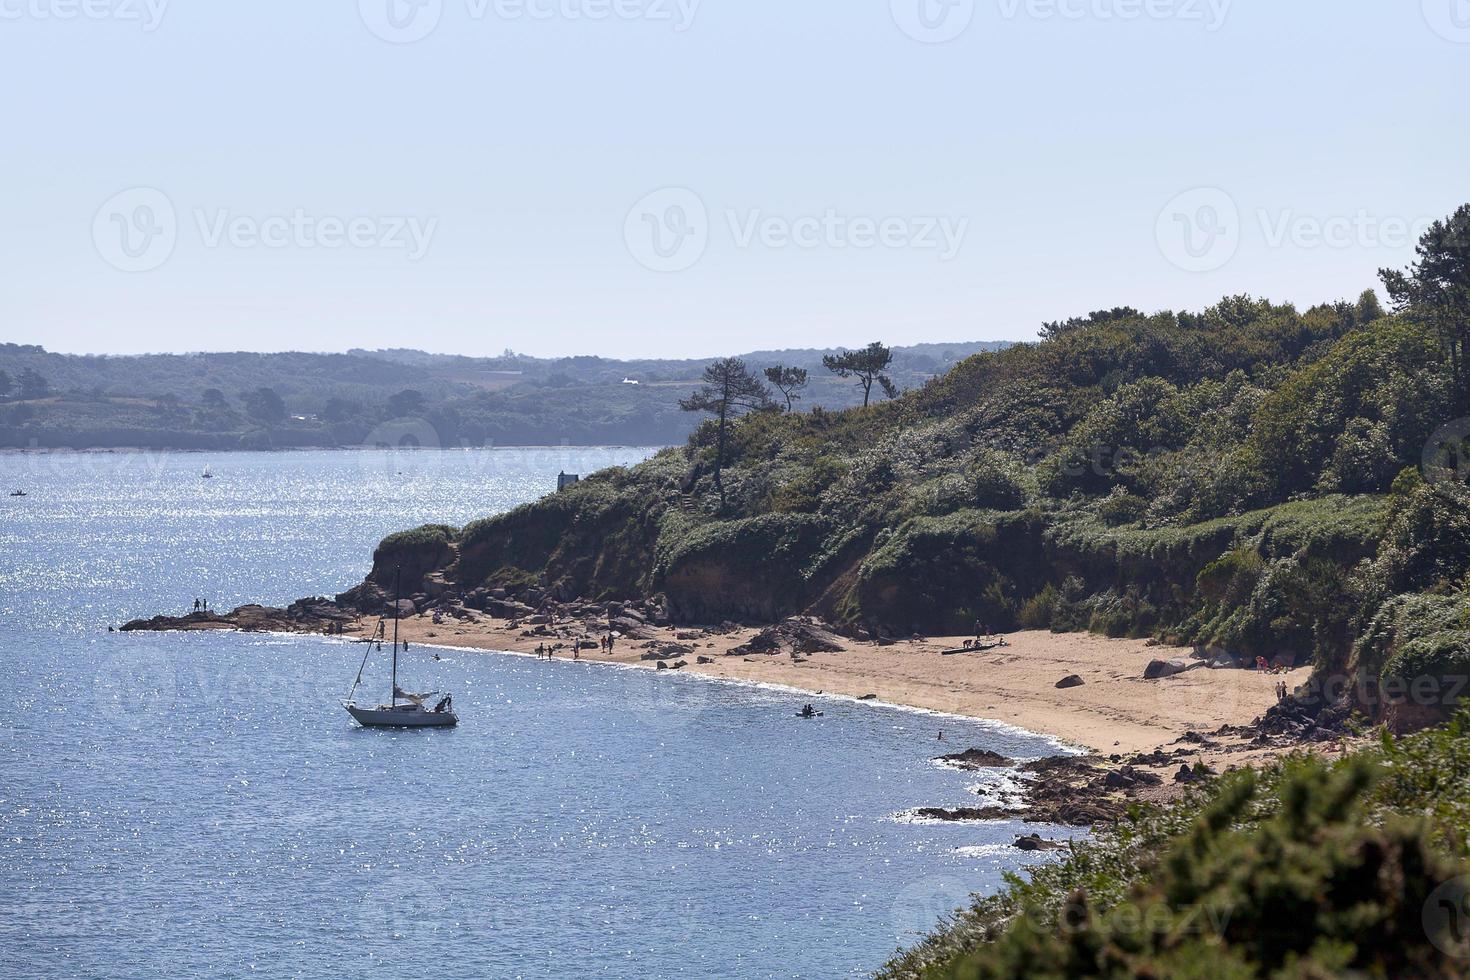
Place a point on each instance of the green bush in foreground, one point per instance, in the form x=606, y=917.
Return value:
x=1307, y=870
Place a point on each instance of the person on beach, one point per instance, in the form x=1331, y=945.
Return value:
x=196, y=605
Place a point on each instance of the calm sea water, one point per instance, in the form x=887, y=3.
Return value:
x=199, y=805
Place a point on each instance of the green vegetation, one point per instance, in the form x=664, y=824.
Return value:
x=1247, y=479
x=1241, y=478
x=1308, y=869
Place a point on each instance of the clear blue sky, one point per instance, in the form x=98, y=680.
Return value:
x=496, y=165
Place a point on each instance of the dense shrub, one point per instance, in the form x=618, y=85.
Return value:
x=1303, y=871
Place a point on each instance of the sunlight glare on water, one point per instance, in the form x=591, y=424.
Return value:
x=200, y=805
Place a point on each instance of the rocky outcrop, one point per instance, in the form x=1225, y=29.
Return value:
x=975, y=759
x=1070, y=681
x=1035, y=842
x=1164, y=668
x=798, y=634
x=1068, y=791
x=412, y=557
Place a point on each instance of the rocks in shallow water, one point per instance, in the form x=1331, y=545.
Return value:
x=1067, y=790
x=976, y=759
x=1164, y=668
x=1035, y=842
x=965, y=813
x=1071, y=680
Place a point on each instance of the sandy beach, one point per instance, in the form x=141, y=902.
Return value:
x=1115, y=710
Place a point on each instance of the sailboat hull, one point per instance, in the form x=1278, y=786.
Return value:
x=403, y=716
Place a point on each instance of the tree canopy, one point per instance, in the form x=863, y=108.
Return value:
x=867, y=365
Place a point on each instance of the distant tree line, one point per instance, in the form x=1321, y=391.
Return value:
x=32, y=385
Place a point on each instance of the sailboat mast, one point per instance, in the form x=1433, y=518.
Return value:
x=397, y=591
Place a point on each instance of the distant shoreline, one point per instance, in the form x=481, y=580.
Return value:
x=132, y=450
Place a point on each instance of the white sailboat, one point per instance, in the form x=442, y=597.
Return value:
x=206, y=475
x=411, y=712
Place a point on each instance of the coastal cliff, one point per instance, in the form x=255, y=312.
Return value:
x=1240, y=480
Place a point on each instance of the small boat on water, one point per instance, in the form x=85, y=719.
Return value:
x=808, y=712
x=404, y=709
x=17, y=493
x=206, y=475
